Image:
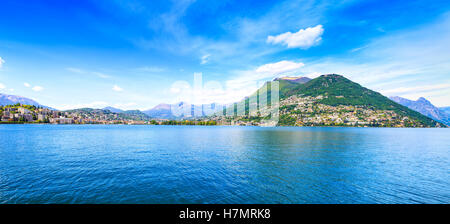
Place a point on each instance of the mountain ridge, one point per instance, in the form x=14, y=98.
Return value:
x=113, y=109
x=6, y=99
x=329, y=99
x=164, y=111
x=424, y=107
x=332, y=99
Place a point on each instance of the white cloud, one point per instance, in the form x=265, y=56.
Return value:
x=279, y=67
x=75, y=70
x=124, y=106
x=304, y=38
x=1, y=62
x=263, y=73
x=247, y=82
x=410, y=63
x=415, y=89
x=101, y=75
x=2, y=86
x=81, y=71
x=150, y=69
x=205, y=59
x=95, y=104
x=117, y=88
x=243, y=84
x=37, y=88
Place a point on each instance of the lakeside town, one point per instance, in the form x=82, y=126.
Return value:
x=306, y=111
x=19, y=113
x=296, y=110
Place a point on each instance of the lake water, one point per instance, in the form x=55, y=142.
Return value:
x=192, y=164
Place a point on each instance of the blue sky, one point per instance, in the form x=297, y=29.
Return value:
x=136, y=54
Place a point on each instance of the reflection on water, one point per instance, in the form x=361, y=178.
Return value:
x=170, y=164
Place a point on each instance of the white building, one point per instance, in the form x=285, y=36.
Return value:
x=24, y=111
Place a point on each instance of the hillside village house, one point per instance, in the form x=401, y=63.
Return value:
x=61, y=120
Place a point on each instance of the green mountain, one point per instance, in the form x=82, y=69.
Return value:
x=331, y=100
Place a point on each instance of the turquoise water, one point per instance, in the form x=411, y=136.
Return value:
x=180, y=164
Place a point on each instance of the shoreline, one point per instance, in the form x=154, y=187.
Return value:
x=317, y=126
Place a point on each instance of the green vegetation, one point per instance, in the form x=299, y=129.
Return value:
x=10, y=114
x=335, y=91
x=134, y=115
x=286, y=120
x=188, y=122
x=329, y=100
x=341, y=91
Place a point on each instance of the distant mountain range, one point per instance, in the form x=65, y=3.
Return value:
x=164, y=111
x=113, y=109
x=6, y=99
x=161, y=111
x=445, y=110
x=326, y=100
x=424, y=107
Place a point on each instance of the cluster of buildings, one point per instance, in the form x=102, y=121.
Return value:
x=17, y=114
x=296, y=110
x=32, y=114
x=306, y=111
x=300, y=110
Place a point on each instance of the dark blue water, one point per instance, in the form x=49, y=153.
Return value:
x=173, y=164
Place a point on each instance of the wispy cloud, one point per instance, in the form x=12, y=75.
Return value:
x=75, y=70
x=1, y=62
x=174, y=36
x=263, y=73
x=416, y=89
x=101, y=75
x=117, y=88
x=279, y=67
x=95, y=104
x=204, y=59
x=37, y=88
x=153, y=69
x=242, y=84
x=98, y=105
x=2, y=86
x=124, y=106
x=399, y=63
x=304, y=38
x=81, y=71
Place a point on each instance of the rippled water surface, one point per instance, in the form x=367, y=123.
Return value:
x=179, y=164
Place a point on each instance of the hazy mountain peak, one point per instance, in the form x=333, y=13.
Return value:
x=6, y=99
x=113, y=109
x=296, y=79
x=422, y=99
x=424, y=107
x=162, y=106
